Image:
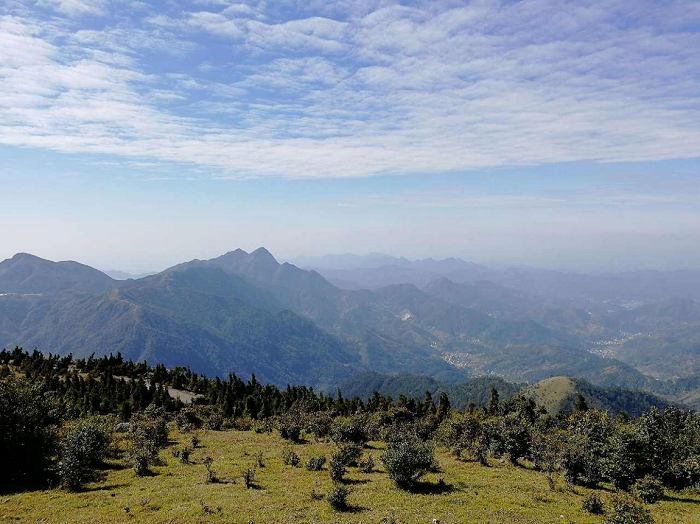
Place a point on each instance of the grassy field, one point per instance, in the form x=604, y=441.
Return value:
x=178, y=493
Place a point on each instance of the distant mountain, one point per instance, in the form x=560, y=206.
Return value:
x=28, y=274
x=370, y=272
x=124, y=275
x=559, y=394
x=555, y=394
x=188, y=318
x=247, y=313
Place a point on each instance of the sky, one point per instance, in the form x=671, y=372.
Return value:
x=561, y=134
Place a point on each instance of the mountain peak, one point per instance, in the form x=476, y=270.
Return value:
x=263, y=254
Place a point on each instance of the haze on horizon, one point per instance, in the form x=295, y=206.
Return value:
x=548, y=133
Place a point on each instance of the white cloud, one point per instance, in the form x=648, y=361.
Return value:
x=371, y=89
x=78, y=7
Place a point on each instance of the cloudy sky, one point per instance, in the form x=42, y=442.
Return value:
x=562, y=134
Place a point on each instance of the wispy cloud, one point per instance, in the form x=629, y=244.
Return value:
x=355, y=89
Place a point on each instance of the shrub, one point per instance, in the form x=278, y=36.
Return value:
x=336, y=468
x=290, y=458
x=366, y=465
x=319, y=424
x=84, y=447
x=648, y=489
x=349, y=454
x=259, y=462
x=211, y=474
x=188, y=419
x=626, y=510
x=215, y=422
x=315, y=463
x=290, y=428
x=349, y=431
x=338, y=498
x=146, y=435
x=249, y=478
x=27, y=432
x=408, y=460
x=593, y=504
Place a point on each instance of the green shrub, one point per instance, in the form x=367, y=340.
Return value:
x=290, y=458
x=648, y=489
x=215, y=422
x=627, y=510
x=290, y=428
x=27, y=432
x=366, y=465
x=211, y=477
x=315, y=463
x=249, y=478
x=408, y=460
x=349, y=454
x=593, y=504
x=338, y=498
x=83, y=448
x=336, y=468
x=349, y=431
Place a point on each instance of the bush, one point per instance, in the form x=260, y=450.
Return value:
x=259, y=461
x=349, y=454
x=336, y=468
x=290, y=458
x=249, y=478
x=290, y=428
x=593, y=504
x=349, y=431
x=84, y=447
x=366, y=465
x=27, y=432
x=408, y=460
x=315, y=463
x=626, y=510
x=648, y=489
x=215, y=422
x=338, y=498
x=185, y=455
x=211, y=474
x=188, y=419
x=146, y=435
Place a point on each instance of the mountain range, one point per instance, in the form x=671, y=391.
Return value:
x=247, y=313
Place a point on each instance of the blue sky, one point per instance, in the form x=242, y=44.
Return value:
x=561, y=134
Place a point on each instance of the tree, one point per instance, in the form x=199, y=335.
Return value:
x=580, y=404
x=493, y=402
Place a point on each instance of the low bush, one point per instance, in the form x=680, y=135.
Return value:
x=366, y=465
x=593, y=504
x=315, y=463
x=290, y=428
x=249, y=478
x=83, y=448
x=349, y=431
x=338, y=498
x=290, y=458
x=350, y=454
x=648, y=489
x=408, y=460
x=627, y=510
x=336, y=468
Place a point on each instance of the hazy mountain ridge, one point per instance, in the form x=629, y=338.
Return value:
x=555, y=394
x=28, y=274
x=247, y=313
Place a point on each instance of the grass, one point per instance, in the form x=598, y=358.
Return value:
x=178, y=493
